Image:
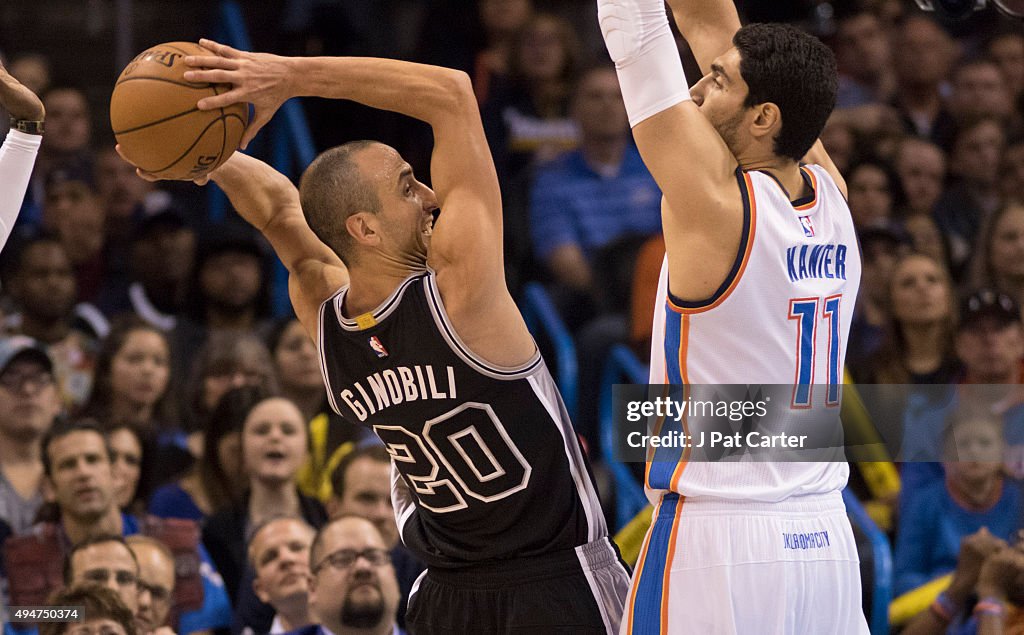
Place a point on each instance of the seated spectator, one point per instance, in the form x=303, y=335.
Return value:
x=104, y=612
x=105, y=559
x=353, y=587
x=881, y=249
x=501, y=21
x=65, y=145
x=999, y=259
x=362, y=487
x=527, y=115
x=875, y=194
x=32, y=70
x=77, y=462
x=228, y=360
x=330, y=437
x=936, y=517
x=160, y=258
x=29, y=402
x=918, y=343
x=156, y=582
x=1007, y=50
x=921, y=166
x=980, y=90
x=231, y=289
x=974, y=195
x=130, y=454
x=1012, y=171
x=926, y=53
x=216, y=479
x=279, y=556
x=990, y=339
x=864, y=59
x=74, y=212
x=132, y=380
x=926, y=238
x=39, y=277
x=585, y=204
x=273, y=449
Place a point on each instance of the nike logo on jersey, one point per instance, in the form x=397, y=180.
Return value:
x=399, y=385
x=816, y=261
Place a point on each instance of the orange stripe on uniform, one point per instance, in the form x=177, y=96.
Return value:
x=814, y=186
x=640, y=569
x=743, y=264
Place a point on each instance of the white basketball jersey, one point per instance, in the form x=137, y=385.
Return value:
x=782, y=317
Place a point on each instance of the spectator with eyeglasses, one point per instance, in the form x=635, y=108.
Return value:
x=156, y=583
x=29, y=402
x=353, y=589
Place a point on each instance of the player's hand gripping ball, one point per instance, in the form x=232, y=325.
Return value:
x=156, y=121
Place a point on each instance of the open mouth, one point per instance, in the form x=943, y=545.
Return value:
x=275, y=455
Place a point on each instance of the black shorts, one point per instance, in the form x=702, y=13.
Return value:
x=581, y=591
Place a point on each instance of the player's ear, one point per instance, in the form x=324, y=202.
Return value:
x=767, y=120
x=362, y=226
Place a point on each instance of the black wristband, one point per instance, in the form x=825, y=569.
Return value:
x=28, y=127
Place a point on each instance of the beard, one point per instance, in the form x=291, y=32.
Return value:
x=728, y=130
x=364, y=615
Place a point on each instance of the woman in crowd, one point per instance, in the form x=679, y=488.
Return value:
x=131, y=469
x=215, y=479
x=527, y=115
x=918, y=344
x=999, y=259
x=876, y=198
x=132, y=382
x=273, y=449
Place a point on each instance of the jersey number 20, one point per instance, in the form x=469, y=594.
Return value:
x=805, y=312
x=465, y=452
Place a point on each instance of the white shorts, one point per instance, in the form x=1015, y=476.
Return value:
x=717, y=567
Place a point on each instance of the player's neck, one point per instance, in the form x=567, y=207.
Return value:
x=786, y=172
x=370, y=285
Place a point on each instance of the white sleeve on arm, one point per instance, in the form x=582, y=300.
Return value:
x=17, y=156
x=640, y=42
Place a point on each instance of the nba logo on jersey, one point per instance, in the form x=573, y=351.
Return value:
x=805, y=222
x=377, y=347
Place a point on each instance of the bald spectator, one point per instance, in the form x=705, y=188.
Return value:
x=104, y=613
x=29, y=402
x=362, y=487
x=921, y=166
x=353, y=590
x=279, y=555
x=156, y=581
x=105, y=560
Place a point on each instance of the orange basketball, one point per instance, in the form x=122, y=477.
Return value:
x=155, y=118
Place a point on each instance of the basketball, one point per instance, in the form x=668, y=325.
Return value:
x=155, y=119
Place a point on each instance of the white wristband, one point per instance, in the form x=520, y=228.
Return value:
x=640, y=42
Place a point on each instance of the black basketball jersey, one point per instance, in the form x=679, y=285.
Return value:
x=489, y=455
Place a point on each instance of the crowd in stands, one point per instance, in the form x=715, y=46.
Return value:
x=156, y=407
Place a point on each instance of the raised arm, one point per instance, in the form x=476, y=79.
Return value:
x=702, y=211
x=18, y=153
x=462, y=171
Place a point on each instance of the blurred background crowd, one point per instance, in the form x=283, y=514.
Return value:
x=130, y=315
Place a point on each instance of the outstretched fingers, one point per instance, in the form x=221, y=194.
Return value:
x=220, y=49
x=258, y=121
